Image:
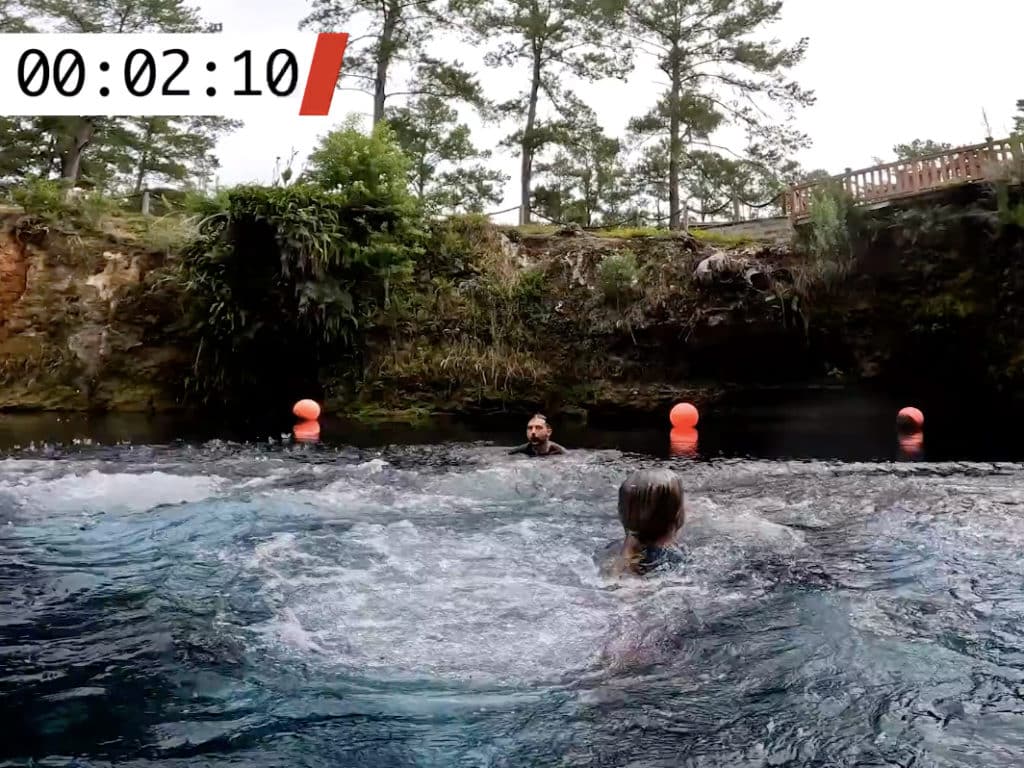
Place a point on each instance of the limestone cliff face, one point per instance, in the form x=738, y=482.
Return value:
x=607, y=324
x=80, y=324
x=564, y=321
x=567, y=321
x=936, y=305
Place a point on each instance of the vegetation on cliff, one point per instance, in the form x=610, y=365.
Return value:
x=281, y=282
x=925, y=295
x=343, y=285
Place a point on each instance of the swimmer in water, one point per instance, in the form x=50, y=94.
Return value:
x=538, y=433
x=651, y=512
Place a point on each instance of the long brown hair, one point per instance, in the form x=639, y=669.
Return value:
x=650, y=508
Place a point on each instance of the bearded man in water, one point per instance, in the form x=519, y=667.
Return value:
x=538, y=433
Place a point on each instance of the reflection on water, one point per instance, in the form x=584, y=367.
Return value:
x=438, y=605
x=820, y=425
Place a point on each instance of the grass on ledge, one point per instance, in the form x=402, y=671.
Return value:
x=711, y=237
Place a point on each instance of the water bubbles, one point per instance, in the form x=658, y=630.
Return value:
x=376, y=607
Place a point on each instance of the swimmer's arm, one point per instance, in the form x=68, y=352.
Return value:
x=556, y=448
x=521, y=449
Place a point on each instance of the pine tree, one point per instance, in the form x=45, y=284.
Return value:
x=170, y=149
x=588, y=173
x=400, y=32
x=919, y=148
x=647, y=181
x=11, y=18
x=22, y=148
x=449, y=173
x=552, y=42
x=1018, y=121
x=105, y=150
x=715, y=70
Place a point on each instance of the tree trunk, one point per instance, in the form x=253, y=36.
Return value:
x=675, y=144
x=526, y=166
x=140, y=175
x=589, y=201
x=380, y=80
x=71, y=157
x=421, y=181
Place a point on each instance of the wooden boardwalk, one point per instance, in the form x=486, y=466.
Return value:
x=910, y=178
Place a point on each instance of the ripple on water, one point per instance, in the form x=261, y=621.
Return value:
x=266, y=606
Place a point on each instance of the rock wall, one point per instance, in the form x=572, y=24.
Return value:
x=82, y=326
x=935, y=307
x=89, y=322
x=680, y=319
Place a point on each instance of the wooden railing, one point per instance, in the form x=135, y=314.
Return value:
x=907, y=178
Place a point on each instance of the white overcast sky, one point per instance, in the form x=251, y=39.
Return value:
x=884, y=72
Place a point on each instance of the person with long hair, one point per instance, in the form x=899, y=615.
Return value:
x=652, y=514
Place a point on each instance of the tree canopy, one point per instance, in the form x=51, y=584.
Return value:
x=124, y=153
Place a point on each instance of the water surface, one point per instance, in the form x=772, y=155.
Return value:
x=215, y=604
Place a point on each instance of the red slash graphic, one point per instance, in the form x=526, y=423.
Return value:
x=324, y=72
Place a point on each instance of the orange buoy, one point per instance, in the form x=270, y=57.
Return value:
x=307, y=409
x=682, y=441
x=306, y=430
x=911, y=445
x=910, y=418
x=683, y=416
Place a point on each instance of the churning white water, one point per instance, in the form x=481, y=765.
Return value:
x=442, y=606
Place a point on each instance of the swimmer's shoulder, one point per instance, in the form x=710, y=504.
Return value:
x=661, y=558
x=554, y=449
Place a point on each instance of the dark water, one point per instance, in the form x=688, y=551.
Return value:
x=841, y=425
x=214, y=604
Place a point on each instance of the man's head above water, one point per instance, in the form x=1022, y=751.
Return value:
x=538, y=431
x=538, y=436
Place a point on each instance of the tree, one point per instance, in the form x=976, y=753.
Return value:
x=364, y=166
x=65, y=143
x=112, y=15
x=399, y=32
x=448, y=172
x=167, y=149
x=708, y=179
x=692, y=119
x=818, y=174
x=715, y=74
x=647, y=180
x=547, y=202
x=764, y=174
x=587, y=173
x=554, y=41
x=10, y=19
x=1018, y=121
x=919, y=148
x=22, y=152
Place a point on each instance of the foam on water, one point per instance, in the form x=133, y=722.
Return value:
x=450, y=599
